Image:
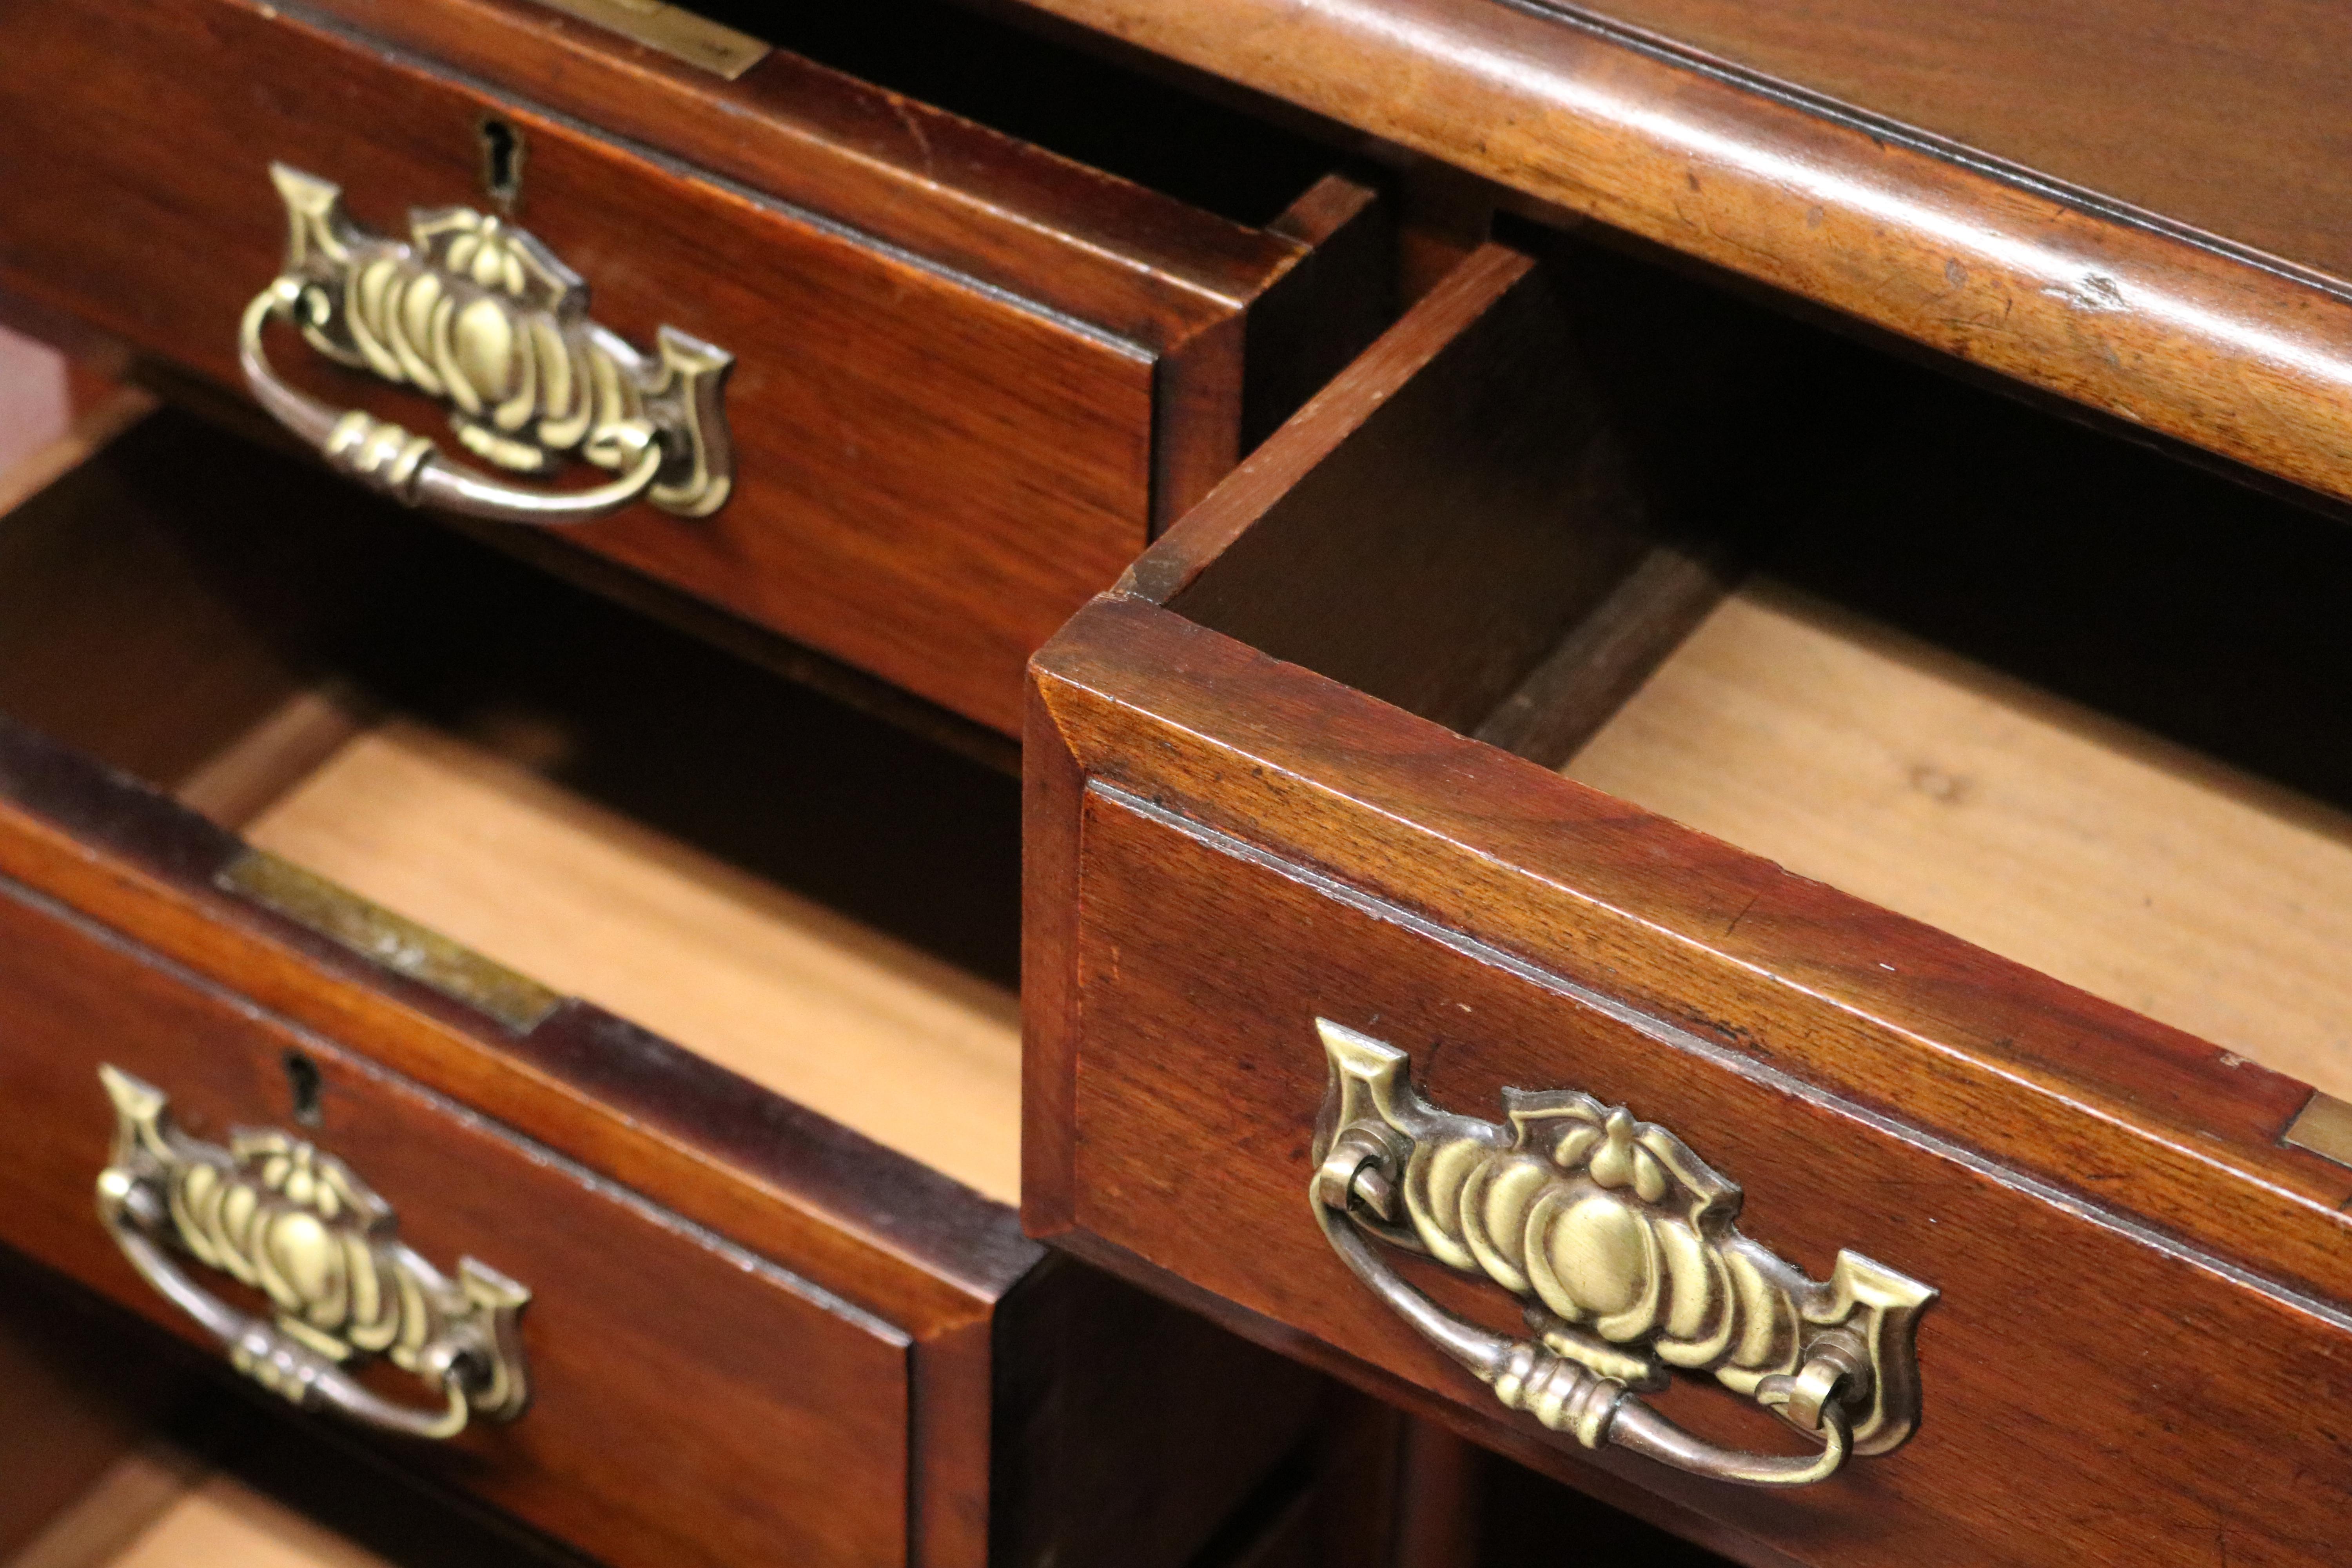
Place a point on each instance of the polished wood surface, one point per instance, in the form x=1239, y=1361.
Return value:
x=2140, y=872
x=157, y=630
x=1457, y=904
x=2224, y=117
x=2060, y=290
x=1113, y=251
x=878, y=1035
x=1244, y=314
x=935, y=468
x=635, y=1319
x=1832, y=496
x=1227, y=842
x=924, y=1258
x=756, y=868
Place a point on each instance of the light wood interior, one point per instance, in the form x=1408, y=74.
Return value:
x=43, y=439
x=142, y=640
x=909, y=1051
x=123, y=1448
x=2139, y=871
x=160, y=1508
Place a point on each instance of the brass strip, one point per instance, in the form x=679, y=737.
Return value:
x=392, y=940
x=2324, y=1127
x=679, y=34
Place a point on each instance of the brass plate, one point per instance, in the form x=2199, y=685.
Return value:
x=2324, y=1127
x=400, y=944
x=681, y=34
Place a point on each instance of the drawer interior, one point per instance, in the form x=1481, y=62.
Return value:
x=1089, y=110
x=2015, y=676
x=125, y=1453
x=791, y=888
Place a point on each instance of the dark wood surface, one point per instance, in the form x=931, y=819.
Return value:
x=1654, y=414
x=77, y=1363
x=2061, y=289
x=935, y=466
x=1258, y=522
x=1130, y=1430
x=2103, y=1272
x=663, y=1427
x=904, y=1246
x=1025, y=1415
x=1229, y=835
x=75, y=1407
x=2230, y=119
x=1072, y=1414
x=1128, y=258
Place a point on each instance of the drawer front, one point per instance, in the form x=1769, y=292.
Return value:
x=689, y=1402
x=934, y=466
x=1229, y=853
x=754, y=1332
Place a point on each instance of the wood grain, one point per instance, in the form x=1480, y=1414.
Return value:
x=2218, y=116
x=867, y=1030
x=2090, y=1344
x=1225, y=845
x=933, y=472
x=2036, y=829
x=1116, y=252
x=219, y=1522
x=1481, y=481
x=971, y=376
x=1786, y=971
x=146, y=573
x=1037, y=1423
x=116, y=1512
x=634, y=1315
x=2070, y=292
x=1393, y=805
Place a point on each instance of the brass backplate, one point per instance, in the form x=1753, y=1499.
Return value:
x=677, y=32
x=393, y=941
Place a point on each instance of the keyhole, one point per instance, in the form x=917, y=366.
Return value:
x=303, y=1078
x=502, y=161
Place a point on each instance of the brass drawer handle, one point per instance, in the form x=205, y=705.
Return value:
x=274, y=1212
x=483, y=317
x=1620, y=1242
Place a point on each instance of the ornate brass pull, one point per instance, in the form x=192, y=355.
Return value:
x=274, y=1212
x=1620, y=1242
x=484, y=317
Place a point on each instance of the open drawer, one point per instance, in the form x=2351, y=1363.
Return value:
x=916, y=387
x=1409, y=975
x=121, y=1454
x=759, y=1294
